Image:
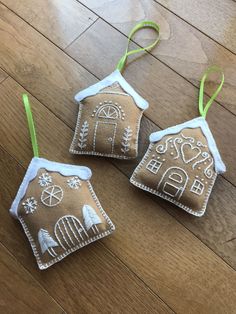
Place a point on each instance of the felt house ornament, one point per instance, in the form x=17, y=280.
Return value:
x=58, y=208
x=110, y=113
x=182, y=162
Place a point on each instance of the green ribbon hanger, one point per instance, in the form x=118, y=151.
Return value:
x=31, y=125
x=141, y=25
x=203, y=109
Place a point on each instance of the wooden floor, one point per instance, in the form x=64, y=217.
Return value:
x=160, y=259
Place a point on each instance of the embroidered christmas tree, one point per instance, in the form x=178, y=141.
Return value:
x=91, y=219
x=47, y=243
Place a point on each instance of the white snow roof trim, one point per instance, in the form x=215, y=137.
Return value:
x=195, y=123
x=108, y=81
x=84, y=173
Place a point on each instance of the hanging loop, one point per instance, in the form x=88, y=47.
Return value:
x=141, y=25
x=203, y=108
x=31, y=125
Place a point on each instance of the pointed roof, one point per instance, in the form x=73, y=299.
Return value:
x=84, y=173
x=108, y=81
x=195, y=123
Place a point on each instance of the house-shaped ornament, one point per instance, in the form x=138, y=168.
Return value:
x=58, y=210
x=181, y=165
x=109, y=119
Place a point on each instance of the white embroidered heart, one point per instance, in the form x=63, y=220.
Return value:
x=187, y=149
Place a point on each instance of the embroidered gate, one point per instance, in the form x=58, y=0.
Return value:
x=173, y=182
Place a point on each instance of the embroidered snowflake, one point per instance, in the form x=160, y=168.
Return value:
x=45, y=179
x=74, y=183
x=30, y=205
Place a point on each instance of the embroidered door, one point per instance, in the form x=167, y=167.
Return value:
x=173, y=182
x=105, y=133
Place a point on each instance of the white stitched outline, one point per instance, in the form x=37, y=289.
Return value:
x=67, y=235
x=162, y=148
x=173, y=178
x=188, y=138
x=197, y=187
x=153, y=166
x=46, y=242
x=110, y=139
x=209, y=172
x=126, y=140
x=52, y=195
x=180, y=189
x=179, y=141
x=113, y=92
x=109, y=111
x=167, y=192
x=199, y=144
x=205, y=156
x=193, y=148
x=83, y=134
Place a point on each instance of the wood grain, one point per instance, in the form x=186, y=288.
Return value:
x=20, y=292
x=182, y=47
x=3, y=76
x=172, y=250
x=60, y=20
x=214, y=18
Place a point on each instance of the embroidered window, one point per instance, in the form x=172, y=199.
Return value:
x=197, y=187
x=154, y=166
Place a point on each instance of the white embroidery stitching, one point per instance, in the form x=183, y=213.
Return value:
x=193, y=148
x=110, y=139
x=126, y=140
x=74, y=183
x=83, y=135
x=30, y=205
x=52, y=195
x=180, y=189
x=153, y=166
x=47, y=243
x=45, y=179
x=161, y=149
x=91, y=219
x=197, y=187
x=65, y=223
x=198, y=213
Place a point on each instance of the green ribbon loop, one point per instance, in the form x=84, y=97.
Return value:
x=144, y=24
x=31, y=125
x=203, y=109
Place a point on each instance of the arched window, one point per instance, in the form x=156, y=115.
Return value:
x=108, y=111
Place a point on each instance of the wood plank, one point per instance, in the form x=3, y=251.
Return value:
x=173, y=264
x=20, y=292
x=166, y=92
x=60, y=20
x=182, y=47
x=213, y=17
x=3, y=76
x=55, y=79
